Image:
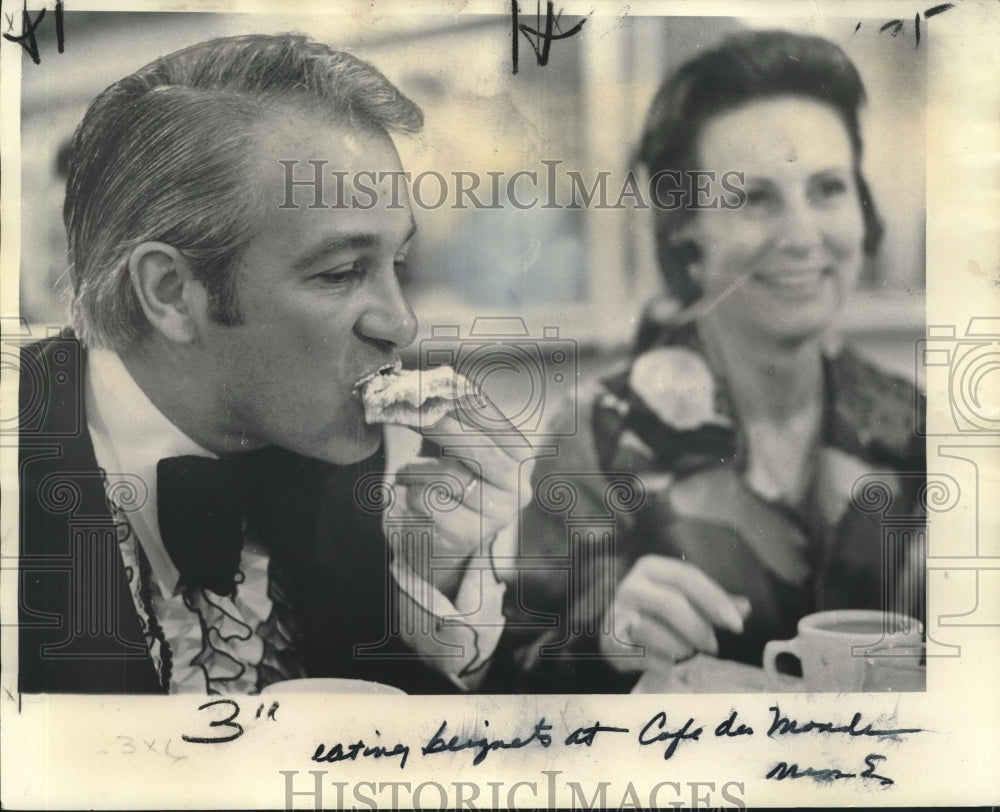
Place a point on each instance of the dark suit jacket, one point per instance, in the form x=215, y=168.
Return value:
x=79, y=629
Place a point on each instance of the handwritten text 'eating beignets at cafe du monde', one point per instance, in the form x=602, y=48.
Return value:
x=664, y=733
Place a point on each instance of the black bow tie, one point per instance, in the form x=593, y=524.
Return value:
x=200, y=505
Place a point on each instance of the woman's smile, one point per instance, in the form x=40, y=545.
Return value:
x=795, y=283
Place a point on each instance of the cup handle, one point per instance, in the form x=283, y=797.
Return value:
x=772, y=650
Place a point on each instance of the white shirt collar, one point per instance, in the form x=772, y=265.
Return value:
x=130, y=436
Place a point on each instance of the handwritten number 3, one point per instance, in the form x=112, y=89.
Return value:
x=227, y=722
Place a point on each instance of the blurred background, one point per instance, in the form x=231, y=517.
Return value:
x=583, y=274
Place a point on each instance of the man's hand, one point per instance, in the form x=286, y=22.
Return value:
x=672, y=608
x=472, y=491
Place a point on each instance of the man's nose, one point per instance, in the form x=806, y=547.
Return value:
x=388, y=318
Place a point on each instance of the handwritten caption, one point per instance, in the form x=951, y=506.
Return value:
x=663, y=733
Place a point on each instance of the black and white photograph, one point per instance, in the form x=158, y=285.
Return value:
x=500, y=405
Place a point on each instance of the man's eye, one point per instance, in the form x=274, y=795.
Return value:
x=342, y=273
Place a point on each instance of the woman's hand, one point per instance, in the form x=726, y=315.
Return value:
x=672, y=608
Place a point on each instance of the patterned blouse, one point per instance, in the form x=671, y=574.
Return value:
x=665, y=431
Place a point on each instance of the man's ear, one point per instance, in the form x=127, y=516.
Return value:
x=174, y=302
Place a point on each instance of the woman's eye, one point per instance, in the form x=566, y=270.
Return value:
x=830, y=187
x=757, y=197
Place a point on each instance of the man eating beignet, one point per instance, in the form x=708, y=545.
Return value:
x=228, y=477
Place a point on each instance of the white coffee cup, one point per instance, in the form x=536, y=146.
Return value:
x=832, y=646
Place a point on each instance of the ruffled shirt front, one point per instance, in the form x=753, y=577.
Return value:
x=201, y=642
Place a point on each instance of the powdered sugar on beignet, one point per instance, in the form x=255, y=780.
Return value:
x=411, y=397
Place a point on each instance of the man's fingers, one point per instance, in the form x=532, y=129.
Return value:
x=478, y=419
x=477, y=432
x=464, y=508
x=450, y=480
x=459, y=533
x=453, y=482
x=476, y=411
x=711, y=600
x=481, y=455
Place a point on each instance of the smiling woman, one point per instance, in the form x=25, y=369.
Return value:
x=747, y=425
x=794, y=247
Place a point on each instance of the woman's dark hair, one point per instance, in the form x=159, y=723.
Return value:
x=745, y=67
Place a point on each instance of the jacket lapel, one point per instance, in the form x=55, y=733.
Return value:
x=79, y=629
